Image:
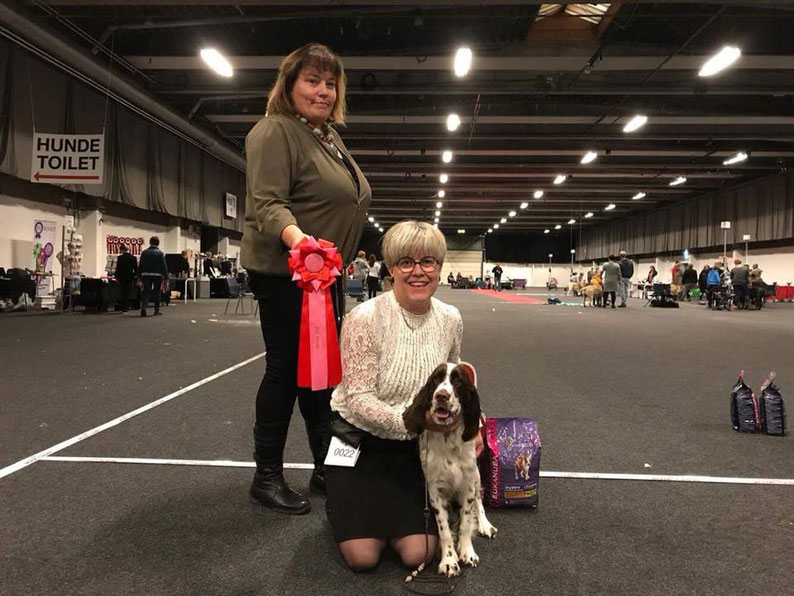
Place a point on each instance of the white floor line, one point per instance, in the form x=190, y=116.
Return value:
x=576, y=475
x=23, y=463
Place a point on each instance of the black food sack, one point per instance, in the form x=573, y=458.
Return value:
x=744, y=407
x=772, y=408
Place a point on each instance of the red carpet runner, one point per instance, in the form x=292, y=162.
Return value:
x=508, y=296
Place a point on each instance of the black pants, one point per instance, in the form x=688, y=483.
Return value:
x=739, y=295
x=125, y=285
x=151, y=284
x=497, y=282
x=280, y=302
x=607, y=295
x=372, y=286
x=713, y=290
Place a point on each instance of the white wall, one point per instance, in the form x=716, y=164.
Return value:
x=536, y=274
x=776, y=263
x=16, y=232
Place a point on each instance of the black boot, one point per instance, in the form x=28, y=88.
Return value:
x=319, y=431
x=269, y=488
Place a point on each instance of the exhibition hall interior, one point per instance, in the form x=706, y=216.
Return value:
x=614, y=186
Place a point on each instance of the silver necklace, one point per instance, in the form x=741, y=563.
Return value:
x=407, y=324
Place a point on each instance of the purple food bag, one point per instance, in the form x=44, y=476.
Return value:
x=512, y=462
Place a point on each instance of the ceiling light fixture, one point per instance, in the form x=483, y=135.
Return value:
x=462, y=62
x=720, y=61
x=490, y=230
x=524, y=205
x=443, y=178
x=442, y=194
x=503, y=220
x=439, y=205
x=511, y=214
x=538, y=194
x=546, y=231
x=677, y=181
x=436, y=220
x=590, y=156
x=217, y=62
x=371, y=219
x=560, y=178
x=741, y=156
x=571, y=221
x=558, y=227
x=496, y=226
x=453, y=121
x=588, y=215
x=461, y=231
x=639, y=195
x=438, y=213
x=435, y=225
x=446, y=156
x=609, y=207
x=635, y=123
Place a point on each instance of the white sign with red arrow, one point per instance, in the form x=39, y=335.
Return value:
x=67, y=159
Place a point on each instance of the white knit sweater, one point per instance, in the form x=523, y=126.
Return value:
x=387, y=355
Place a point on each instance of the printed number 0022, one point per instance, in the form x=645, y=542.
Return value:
x=343, y=452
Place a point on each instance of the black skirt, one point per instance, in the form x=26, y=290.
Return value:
x=383, y=496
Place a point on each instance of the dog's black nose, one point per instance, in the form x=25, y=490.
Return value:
x=442, y=396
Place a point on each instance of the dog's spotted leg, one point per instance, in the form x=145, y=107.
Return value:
x=468, y=519
x=484, y=526
x=449, y=558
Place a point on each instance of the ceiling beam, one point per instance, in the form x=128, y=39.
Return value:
x=524, y=64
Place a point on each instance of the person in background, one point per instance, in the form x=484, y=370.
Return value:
x=126, y=269
x=626, y=273
x=301, y=181
x=152, y=270
x=757, y=289
x=740, y=278
x=652, y=273
x=450, y=279
x=360, y=270
x=612, y=277
x=755, y=271
x=676, y=277
x=690, y=280
x=702, y=280
x=714, y=282
x=373, y=277
x=386, y=277
x=208, y=265
x=497, y=277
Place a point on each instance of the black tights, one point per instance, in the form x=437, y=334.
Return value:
x=280, y=302
x=608, y=295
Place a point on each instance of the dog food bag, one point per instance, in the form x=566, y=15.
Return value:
x=772, y=408
x=744, y=407
x=511, y=472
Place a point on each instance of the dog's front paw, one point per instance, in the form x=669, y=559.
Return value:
x=487, y=530
x=469, y=557
x=449, y=567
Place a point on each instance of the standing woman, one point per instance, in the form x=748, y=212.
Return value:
x=373, y=277
x=301, y=181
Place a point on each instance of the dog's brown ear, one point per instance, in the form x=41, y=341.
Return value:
x=469, y=401
x=468, y=367
x=414, y=415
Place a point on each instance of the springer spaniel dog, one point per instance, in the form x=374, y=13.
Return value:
x=449, y=460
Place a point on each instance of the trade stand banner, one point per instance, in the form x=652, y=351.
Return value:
x=43, y=252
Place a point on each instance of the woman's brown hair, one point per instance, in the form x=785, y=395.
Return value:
x=279, y=100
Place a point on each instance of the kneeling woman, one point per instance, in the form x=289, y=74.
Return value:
x=390, y=345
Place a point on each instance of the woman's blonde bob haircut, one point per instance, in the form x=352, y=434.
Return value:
x=279, y=100
x=409, y=238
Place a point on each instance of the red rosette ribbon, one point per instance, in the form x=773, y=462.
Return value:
x=315, y=265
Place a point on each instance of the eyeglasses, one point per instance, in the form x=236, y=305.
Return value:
x=427, y=264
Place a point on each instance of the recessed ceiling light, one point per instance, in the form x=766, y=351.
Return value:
x=217, y=62
x=380, y=230
x=637, y=122
x=560, y=178
x=503, y=220
x=371, y=219
x=442, y=194
x=609, y=207
x=589, y=214
x=462, y=61
x=443, y=178
x=639, y=195
x=558, y=227
x=439, y=205
x=496, y=226
x=511, y=214
x=741, y=156
x=453, y=121
x=438, y=213
x=461, y=231
x=446, y=156
x=677, y=181
x=590, y=156
x=524, y=205
x=538, y=194
x=571, y=221
x=436, y=220
x=546, y=231
x=490, y=230
x=435, y=225
x=720, y=61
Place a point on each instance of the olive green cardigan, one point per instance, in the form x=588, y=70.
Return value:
x=294, y=178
